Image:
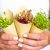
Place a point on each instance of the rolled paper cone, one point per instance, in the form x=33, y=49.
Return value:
x=11, y=29
x=22, y=28
x=34, y=29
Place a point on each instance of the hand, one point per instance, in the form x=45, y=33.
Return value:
x=9, y=42
x=33, y=41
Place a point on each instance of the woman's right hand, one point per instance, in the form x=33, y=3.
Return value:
x=27, y=42
x=9, y=42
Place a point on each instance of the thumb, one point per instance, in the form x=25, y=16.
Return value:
x=1, y=32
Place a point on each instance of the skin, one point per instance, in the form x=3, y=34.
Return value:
x=9, y=43
x=41, y=41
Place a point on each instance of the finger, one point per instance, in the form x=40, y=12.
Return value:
x=0, y=41
x=14, y=46
x=14, y=49
x=1, y=33
x=36, y=36
x=29, y=47
x=33, y=42
x=9, y=42
x=9, y=37
x=11, y=47
x=23, y=49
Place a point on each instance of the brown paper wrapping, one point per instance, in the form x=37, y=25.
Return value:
x=34, y=29
x=11, y=29
x=22, y=28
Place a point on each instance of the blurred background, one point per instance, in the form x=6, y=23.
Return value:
x=15, y=5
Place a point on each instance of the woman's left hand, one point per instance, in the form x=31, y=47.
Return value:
x=9, y=42
x=32, y=41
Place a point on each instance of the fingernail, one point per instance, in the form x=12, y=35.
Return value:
x=25, y=35
x=20, y=45
x=20, y=39
x=15, y=38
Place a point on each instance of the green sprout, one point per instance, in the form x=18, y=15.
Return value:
x=4, y=22
x=41, y=21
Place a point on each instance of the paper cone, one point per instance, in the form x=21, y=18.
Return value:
x=34, y=29
x=11, y=29
x=22, y=28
